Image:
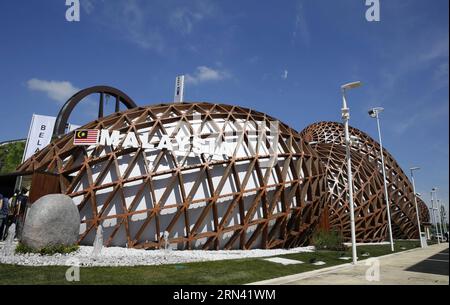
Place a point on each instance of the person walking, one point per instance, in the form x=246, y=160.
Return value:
x=3, y=215
x=20, y=210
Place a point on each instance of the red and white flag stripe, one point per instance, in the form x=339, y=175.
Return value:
x=86, y=137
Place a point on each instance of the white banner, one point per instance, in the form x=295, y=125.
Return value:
x=72, y=127
x=40, y=134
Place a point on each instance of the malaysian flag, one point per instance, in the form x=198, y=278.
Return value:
x=86, y=137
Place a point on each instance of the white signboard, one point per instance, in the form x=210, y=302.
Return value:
x=40, y=134
x=179, y=89
x=72, y=127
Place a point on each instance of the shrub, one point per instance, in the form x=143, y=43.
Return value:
x=11, y=156
x=328, y=240
x=23, y=249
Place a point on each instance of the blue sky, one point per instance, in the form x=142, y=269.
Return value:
x=285, y=58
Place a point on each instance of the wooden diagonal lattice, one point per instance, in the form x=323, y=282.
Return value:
x=329, y=139
x=233, y=202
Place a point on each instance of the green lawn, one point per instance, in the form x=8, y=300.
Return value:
x=219, y=272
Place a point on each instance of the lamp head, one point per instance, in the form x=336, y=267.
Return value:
x=414, y=168
x=351, y=85
x=374, y=111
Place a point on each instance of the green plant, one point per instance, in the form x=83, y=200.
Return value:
x=11, y=156
x=328, y=240
x=23, y=249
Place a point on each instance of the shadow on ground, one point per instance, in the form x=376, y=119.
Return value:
x=436, y=264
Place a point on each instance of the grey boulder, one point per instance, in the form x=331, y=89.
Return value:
x=52, y=220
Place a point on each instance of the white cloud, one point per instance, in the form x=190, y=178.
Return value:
x=285, y=74
x=428, y=114
x=148, y=24
x=59, y=91
x=441, y=75
x=87, y=6
x=183, y=19
x=437, y=49
x=129, y=20
x=300, y=26
x=429, y=53
x=205, y=74
x=134, y=26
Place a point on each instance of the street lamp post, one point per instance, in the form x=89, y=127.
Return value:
x=438, y=203
x=444, y=219
x=412, y=169
x=374, y=113
x=345, y=117
x=433, y=209
x=438, y=217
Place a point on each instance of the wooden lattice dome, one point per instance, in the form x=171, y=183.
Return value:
x=328, y=140
x=235, y=202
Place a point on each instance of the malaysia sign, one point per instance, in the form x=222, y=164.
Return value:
x=180, y=145
x=217, y=147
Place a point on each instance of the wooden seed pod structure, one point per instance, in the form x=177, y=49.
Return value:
x=329, y=140
x=241, y=201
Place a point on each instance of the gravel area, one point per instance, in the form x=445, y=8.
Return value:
x=116, y=256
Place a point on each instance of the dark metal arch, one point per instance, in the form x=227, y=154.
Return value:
x=66, y=110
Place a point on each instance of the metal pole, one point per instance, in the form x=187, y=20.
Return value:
x=346, y=117
x=432, y=211
x=417, y=208
x=438, y=227
x=438, y=203
x=434, y=217
x=386, y=194
x=100, y=106
x=445, y=220
x=117, y=108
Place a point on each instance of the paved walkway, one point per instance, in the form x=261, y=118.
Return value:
x=427, y=266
